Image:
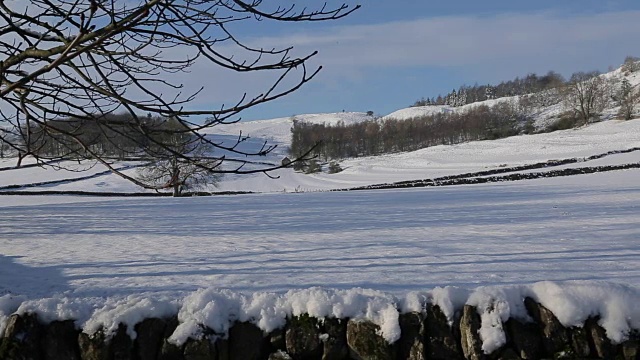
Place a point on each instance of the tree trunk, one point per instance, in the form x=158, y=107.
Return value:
x=175, y=177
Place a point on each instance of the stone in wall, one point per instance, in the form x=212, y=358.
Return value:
x=100, y=347
x=121, y=345
x=222, y=349
x=525, y=338
x=411, y=345
x=601, y=345
x=93, y=347
x=201, y=349
x=470, y=337
x=630, y=349
x=302, y=338
x=22, y=338
x=150, y=333
x=441, y=343
x=61, y=341
x=279, y=355
x=277, y=340
x=248, y=342
x=579, y=338
x=334, y=339
x=506, y=354
x=365, y=343
x=555, y=339
x=169, y=351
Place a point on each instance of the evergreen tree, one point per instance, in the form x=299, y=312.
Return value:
x=461, y=97
x=489, y=92
x=627, y=98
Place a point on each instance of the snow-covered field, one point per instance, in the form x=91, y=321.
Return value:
x=393, y=241
x=89, y=254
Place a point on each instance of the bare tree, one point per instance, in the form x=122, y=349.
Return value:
x=85, y=59
x=3, y=148
x=586, y=95
x=179, y=175
x=167, y=170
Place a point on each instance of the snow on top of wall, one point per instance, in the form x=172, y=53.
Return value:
x=217, y=309
x=572, y=302
x=8, y=305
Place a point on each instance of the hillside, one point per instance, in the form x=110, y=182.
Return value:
x=279, y=130
x=428, y=163
x=543, y=115
x=418, y=111
x=431, y=162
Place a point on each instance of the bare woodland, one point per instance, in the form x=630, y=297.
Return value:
x=92, y=80
x=376, y=136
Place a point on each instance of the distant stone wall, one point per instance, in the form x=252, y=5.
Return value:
x=512, y=173
x=424, y=336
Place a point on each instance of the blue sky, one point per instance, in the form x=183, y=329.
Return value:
x=390, y=53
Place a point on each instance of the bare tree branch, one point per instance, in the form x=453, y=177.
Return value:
x=66, y=66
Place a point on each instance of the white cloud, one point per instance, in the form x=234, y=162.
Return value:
x=502, y=45
x=487, y=48
x=464, y=40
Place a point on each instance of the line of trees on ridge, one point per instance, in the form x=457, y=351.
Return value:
x=161, y=147
x=466, y=94
x=380, y=136
x=530, y=84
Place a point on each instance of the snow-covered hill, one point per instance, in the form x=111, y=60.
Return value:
x=437, y=161
x=606, y=136
x=418, y=111
x=541, y=117
x=448, y=160
x=279, y=130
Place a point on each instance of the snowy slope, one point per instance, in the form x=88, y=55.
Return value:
x=431, y=162
x=458, y=159
x=279, y=130
x=541, y=118
x=418, y=111
x=426, y=163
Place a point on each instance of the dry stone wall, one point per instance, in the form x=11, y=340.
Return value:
x=424, y=336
